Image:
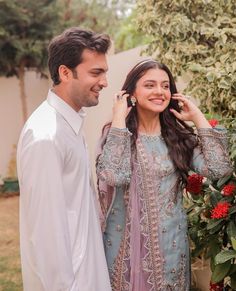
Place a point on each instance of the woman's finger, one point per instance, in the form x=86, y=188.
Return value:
x=176, y=113
x=181, y=98
x=121, y=95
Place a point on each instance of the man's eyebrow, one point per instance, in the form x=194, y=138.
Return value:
x=98, y=70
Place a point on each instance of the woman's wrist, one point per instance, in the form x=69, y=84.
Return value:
x=200, y=121
x=118, y=123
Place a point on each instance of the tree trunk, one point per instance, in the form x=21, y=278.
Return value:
x=21, y=76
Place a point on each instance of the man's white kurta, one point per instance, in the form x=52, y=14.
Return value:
x=60, y=236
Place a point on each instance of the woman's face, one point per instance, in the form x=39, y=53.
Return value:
x=152, y=91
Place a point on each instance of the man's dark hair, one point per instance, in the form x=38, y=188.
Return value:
x=67, y=48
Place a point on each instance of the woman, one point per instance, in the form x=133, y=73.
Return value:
x=146, y=154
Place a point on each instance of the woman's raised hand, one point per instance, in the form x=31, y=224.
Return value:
x=189, y=112
x=120, y=109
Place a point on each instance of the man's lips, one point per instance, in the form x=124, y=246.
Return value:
x=96, y=92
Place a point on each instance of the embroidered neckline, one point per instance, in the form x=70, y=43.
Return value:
x=150, y=137
x=149, y=134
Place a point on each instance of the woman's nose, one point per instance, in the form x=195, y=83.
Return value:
x=158, y=90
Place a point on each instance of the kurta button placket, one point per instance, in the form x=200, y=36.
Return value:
x=164, y=230
x=109, y=243
x=118, y=227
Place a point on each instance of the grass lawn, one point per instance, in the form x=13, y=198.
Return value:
x=10, y=273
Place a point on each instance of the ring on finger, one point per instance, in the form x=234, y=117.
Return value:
x=181, y=105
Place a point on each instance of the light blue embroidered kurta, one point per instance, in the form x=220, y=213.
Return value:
x=162, y=217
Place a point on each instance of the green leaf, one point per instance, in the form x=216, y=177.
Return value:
x=233, y=240
x=233, y=281
x=231, y=229
x=210, y=76
x=198, y=250
x=216, y=228
x=222, y=181
x=195, y=67
x=201, y=40
x=225, y=256
x=193, y=233
x=220, y=272
x=232, y=210
x=213, y=249
x=212, y=264
x=190, y=208
x=215, y=197
x=194, y=218
x=224, y=84
x=232, y=269
x=215, y=223
x=224, y=38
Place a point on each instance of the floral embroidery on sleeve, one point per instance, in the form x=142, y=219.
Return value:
x=211, y=157
x=114, y=166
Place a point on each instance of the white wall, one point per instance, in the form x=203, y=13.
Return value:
x=36, y=90
x=11, y=119
x=119, y=65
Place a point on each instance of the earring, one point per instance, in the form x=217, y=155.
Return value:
x=133, y=101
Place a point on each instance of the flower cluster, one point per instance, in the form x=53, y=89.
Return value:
x=194, y=184
x=211, y=210
x=229, y=190
x=212, y=225
x=221, y=210
x=213, y=122
x=216, y=286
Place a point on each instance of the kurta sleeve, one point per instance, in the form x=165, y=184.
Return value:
x=114, y=163
x=44, y=216
x=211, y=158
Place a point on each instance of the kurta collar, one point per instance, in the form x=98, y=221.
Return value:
x=73, y=118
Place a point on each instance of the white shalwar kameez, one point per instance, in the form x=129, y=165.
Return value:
x=60, y=236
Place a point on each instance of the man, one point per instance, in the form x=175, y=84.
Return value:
x=61, y=243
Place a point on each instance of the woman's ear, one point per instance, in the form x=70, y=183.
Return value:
x=133, y=100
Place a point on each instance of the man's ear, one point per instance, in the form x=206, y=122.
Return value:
x=65, y=73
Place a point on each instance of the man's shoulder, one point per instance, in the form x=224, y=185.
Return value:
x=43, y=111
x=42, y=124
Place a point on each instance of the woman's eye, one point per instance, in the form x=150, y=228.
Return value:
x=149, y=85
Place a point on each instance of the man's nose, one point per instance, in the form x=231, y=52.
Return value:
x=103, y=81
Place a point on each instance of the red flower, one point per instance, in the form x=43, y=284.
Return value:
x=216, y=286
x=229, y=189
x=221, y=210
x=213, y=122
x=194, y=184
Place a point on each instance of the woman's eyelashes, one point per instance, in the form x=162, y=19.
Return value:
x=164, y=86
x=149, y=86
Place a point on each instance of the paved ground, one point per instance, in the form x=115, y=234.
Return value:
x=10, y=275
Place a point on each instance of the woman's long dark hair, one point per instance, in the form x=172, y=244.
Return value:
x=179, y=137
